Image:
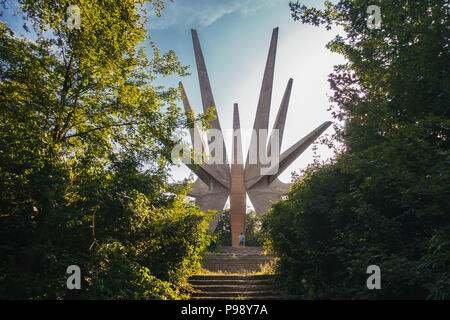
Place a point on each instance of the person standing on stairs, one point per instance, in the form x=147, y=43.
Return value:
x=241, y=239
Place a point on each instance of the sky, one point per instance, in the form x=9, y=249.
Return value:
x=235, y=37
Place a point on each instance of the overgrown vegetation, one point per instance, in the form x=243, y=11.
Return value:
x=384, y=199
x=85, y=144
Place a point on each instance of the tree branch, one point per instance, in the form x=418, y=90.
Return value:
x=100, y=128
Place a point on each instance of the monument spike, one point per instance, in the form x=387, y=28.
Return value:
x=198, y=143
x=252, y=170
x=262, y=195
x=297, y=149
x=280, y=120
x=238, y=199
x=203, y=78
x=265, y=95
x=237, y=157
x=221, y=170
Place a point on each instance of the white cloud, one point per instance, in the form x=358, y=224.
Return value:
x=184, y=13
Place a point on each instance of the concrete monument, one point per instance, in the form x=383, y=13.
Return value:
x=217, y=181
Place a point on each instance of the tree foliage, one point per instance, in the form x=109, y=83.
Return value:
x=85, y=144
x=384, y=199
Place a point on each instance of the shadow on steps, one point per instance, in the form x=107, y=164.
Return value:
x=234, y=279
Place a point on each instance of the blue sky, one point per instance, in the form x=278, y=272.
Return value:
x=235, y=37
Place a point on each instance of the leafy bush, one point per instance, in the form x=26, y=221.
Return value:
x=334, y=224
x=85, y=145
x=384, y=199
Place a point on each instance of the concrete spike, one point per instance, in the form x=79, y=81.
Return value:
x=280, y=121
x=200, y=171
x=236, y=121
x=262, y=195
x=265, y=95
x=212, y=196
x=297, y=149
x=203, y=171
x=238, y=199
x=236, y=157
x=203, y=78
x=252, y=170
x=199, y=144
x=221, y=171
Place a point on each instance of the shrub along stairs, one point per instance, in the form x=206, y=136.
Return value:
x=232, y=274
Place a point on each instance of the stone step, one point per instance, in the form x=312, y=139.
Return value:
x=252, y=262
x=251, y=265
x=237, y=258
x=241, y=270
x=232, y=288
x=236, y=270
x=231, y=277
x=230, y=282
x=246, y=258
x=235, y=264
x=230, y=256
x=238, y=261
x=256, y=263
x=241, y=297
x=221, y=266
x=237, y=253
x=242, y=249
x=233, y=294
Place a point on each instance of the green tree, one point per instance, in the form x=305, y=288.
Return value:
x=86, y=140
x=384, y=199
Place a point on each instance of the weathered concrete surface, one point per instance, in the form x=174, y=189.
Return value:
x=263, y=195
x=297, y=149
x=199, y=144
x=200, y=149
x=212, y=196
x=252, y=170
x=238, y=198
x=280, y=120
x=220, y=172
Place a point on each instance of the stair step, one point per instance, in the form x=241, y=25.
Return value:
x=235, y=298
x=233, y=270
x=232, y=293
x=238, y=261
x=230, y=282
x=231, y=277
x=241, y=249
x=253, y=262
x=232, y=288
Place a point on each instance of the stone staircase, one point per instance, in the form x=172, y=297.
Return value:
x=234, y=279
x=237, y=260
x=248, y=287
